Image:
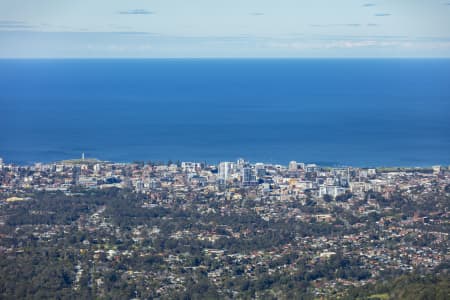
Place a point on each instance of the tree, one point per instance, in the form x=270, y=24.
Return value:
x=327, y=198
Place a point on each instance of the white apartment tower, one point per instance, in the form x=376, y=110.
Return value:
x=225, y=170
x=293, y=166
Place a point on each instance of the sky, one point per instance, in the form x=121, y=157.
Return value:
x=231, y=28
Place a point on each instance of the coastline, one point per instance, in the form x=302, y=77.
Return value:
x=326, y=166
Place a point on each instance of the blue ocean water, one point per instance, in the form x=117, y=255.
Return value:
x=393, y=112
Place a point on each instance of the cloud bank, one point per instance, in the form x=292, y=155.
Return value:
x=136, y=12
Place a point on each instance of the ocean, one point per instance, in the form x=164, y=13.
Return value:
x=359, y=112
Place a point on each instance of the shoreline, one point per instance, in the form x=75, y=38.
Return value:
x=90, y=161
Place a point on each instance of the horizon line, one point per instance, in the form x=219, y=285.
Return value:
x=229, y=58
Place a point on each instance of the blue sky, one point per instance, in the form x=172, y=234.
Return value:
x=232, y=28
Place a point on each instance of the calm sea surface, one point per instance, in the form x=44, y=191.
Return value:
x=333, y=112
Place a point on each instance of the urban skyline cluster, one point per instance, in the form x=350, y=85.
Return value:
x=93, y=173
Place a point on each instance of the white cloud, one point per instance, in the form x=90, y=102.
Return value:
x=355, y=44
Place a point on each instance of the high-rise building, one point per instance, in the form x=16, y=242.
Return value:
x=139, y=186
x=240, y=163
x=436, y=170
x=191, y=167
x=97, y=168
x=247, y=176
x=293, y=166
x=311, y=168
x=225, y=170
x=260, y=170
